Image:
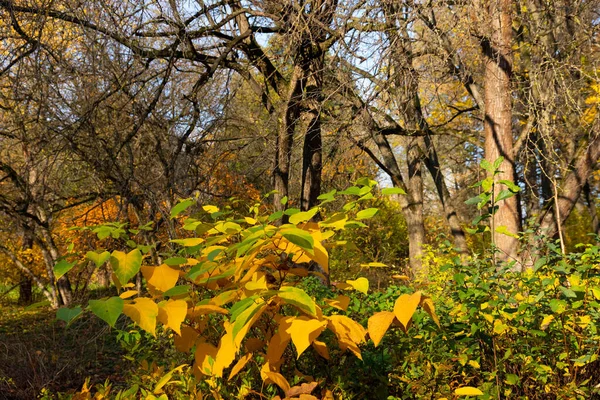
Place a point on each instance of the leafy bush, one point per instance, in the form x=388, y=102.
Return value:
x=232, y=297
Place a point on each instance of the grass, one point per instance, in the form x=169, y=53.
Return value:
x=37, y=351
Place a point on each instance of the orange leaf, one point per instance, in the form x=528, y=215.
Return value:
x=185, y=341
x=240, y=365
x=405, y=307
x=205, y=352
x=278, y=379
x=341, y=302
x=429, y=308
x=321, y=348
x=379, y=324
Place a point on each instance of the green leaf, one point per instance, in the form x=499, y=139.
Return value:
x=62, y=267
x=364, y=181
x=352, y=190
x=487, y=184
x=392, y=190
x=68, y=314
x=177, y=291
x=284, y=200
x=181, y=207
x=245, y=315
x=125, y=266
x=98, y=259
x=107, y=310
x=473, y=200
x=485, y=164
x=568, y=292
x=497, y=162
x=510, y=185
x=298, y=237
x=291, y=211
x=512, y=379
x=298, y=298
x=504, y=194
x=275, y=216
x=354, y=224
x=175, y=261
x=558, y=306
x=504, y=231
x=366, y=213
x=327, y=196
x=303, y=216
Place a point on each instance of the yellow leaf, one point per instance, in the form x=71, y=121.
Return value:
x=379, y=324
x=210, y=209
x=405, y=307
x=279, y=342
x=321, y=348
x=240, y=365
x=341, y=302
x=258, y=282
x=249, y=221
x=206, y=309
x=360, y=284
x=474, y=364
x=304, y=331
x=546, y=322
x=278, y=379
x=205, y=356
x=143, y=312
x=172, y=313
x=401, y=277
x=468, y=391
x=429, y=308
x=225, y=354
x=186, y=339
x=162, y=277
x=128, y=294
x=349, y=333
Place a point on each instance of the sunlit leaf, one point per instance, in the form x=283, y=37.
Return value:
x=468, y=391
x=390, y=191
x=162, y=277
x=360, y=284
x=379, y=324
x=304, y=331
x=172, y=313
x=98, y=258
x=240, y=365
x=62, y=267
x=405, y=307
x=143, y=312
x=297, y=297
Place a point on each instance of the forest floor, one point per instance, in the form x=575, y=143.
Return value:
x=38, y=352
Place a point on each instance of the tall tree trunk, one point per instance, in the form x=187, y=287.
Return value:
x=498, y=122
x=591, y=204
x=413, y=211
x=312, y=152
x=289, y=112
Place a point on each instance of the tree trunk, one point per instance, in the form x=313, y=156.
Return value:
x=498, y=122
x=413, y=211
x=591, y=204
x=312, y=152
x=289, y=111
x=25, y=290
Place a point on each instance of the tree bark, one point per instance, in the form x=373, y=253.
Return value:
x=498, y=122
